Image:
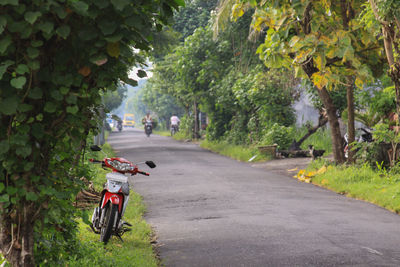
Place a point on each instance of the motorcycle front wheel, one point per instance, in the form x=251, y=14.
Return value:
x=111, y=212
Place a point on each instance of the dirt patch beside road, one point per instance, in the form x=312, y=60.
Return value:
x=282, y=166
x=286, y=166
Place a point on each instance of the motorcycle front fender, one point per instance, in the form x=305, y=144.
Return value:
x=117, y=199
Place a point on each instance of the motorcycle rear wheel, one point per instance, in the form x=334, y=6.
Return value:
x=111, y=211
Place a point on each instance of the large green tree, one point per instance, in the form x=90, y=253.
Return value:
x=321, y=41
x=383, y=18
x=57, y=57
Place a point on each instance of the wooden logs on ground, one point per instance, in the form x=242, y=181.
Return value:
x=87, y=197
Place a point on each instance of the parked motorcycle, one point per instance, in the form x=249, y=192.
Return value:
x=366, y=136
x=107, y=216
x=148, y=127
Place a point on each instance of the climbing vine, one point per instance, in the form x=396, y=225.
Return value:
x=56, y=59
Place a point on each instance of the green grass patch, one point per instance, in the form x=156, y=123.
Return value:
x=321, y=139
x=136, y=249
x=361, y=182
x=162, y=132
x=238, y=152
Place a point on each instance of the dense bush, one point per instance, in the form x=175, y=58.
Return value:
x=278, y=134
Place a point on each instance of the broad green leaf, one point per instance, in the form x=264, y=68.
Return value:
x=18, y=82
x=64, y=90
x=29, y=166
x=24, y=128
x=3, y=23
x=141, y=74
x=315, y=25
x=320, y=61
x=61, y=12
x=348, y=54
x=180, y=2
x=120, y=4
x=50, y=107
x=56, y=95
x=36, y=43
x=63, y=31
x=26, y=32
x=46, y=27
x=24, y=151
x=9, y=2
x=4, y=66
x=319, y=80
x=71, y=99
x=80, y=7
x=39, y=117
x=293, y=41
x=35, y=93
x=4, y=198
x=72, y=109
x=113, y=49
x=22, y=69
x=4, y=146
x=8, y=106
x=114, y=38
x=107, y=27
x=34, y=64
x=11, y=190
x=31, y=17
x=1, y=187
x=102, y=3
x=4, y=43
x=31, y=196
x=19, y=139
x=25, y=107
x=17, y=26
x=131, y=82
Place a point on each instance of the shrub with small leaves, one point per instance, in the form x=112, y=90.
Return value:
x=278, y=134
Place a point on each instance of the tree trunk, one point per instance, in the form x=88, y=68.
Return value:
x=16, y=235
x=346, y=17
x=321, y=122
x=337, y=141
x=337, y=144
x=351, y=131
x=196, y=129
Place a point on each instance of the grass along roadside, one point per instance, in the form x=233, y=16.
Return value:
x=238, y=152
x=242, y=153
x=136, y=250
x=377, y=186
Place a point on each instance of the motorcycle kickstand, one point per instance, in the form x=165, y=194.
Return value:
x=119, y=236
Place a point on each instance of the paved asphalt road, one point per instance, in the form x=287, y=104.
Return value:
x=209, y=210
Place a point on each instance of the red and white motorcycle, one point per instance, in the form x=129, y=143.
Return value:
x=107, y=217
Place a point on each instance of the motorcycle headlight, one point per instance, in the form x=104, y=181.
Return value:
x=121, y=166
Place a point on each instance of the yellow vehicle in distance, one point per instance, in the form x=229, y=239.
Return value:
x=128, y=120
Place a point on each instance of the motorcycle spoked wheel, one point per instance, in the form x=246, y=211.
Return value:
x=111, y=211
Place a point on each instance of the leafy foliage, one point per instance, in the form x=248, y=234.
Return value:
x=280, y=135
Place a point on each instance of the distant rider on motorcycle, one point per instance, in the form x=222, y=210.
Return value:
x=174, y=123
x=148, y=124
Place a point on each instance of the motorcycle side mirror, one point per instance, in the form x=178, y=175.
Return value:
x=150, y=164
x=95, y=148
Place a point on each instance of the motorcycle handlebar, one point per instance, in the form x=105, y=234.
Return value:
x=144, y=173
x=95, y=161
